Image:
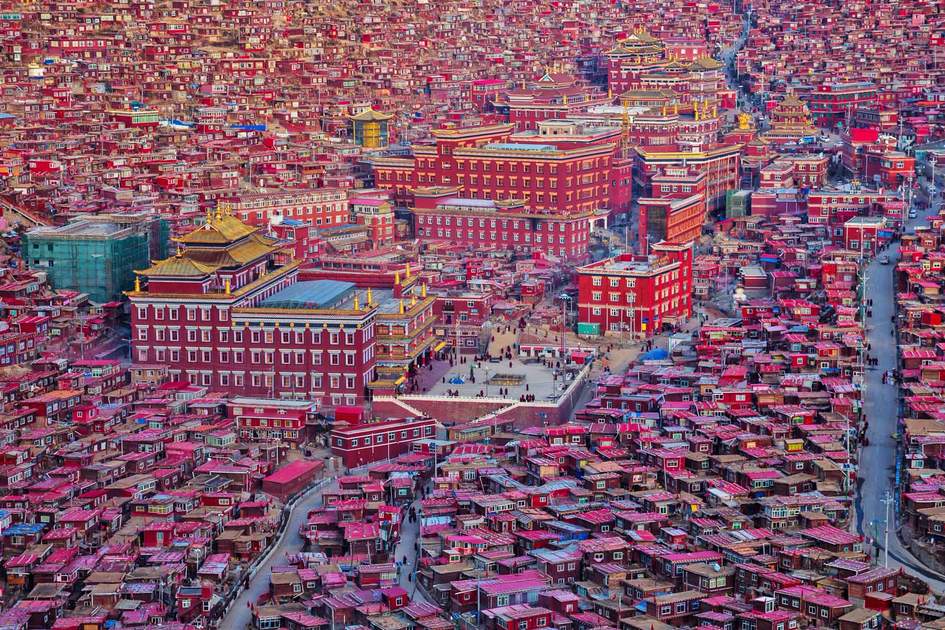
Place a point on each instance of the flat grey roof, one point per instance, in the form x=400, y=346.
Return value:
x=520, y=146
x=79, y=228
x=312, y=294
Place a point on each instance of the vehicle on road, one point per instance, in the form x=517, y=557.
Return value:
x=884, y=260
x=913, y=214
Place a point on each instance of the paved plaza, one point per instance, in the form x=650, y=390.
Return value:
x=490, y=378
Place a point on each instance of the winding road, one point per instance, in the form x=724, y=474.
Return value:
x=877, y=462
x=240, y=616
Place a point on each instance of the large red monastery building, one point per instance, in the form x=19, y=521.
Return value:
x=560, y=168
x=222, y=313
x=636, y=295
x=441, y=214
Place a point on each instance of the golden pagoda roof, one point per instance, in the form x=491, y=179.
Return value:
x=178, y=265
x=642, y=37
x=791, y=100
x=675, y=64
x=649, y=94
x=634, y=42
x=220, y=229
x=706, y=63
x=239, y=254
x=370, y=115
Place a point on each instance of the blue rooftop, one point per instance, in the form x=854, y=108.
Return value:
x=520, y=146
x=313, y=294
x=656, y=354
x=21, y=529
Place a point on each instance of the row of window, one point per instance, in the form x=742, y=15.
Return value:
x=597, y=296
x=258, y=357
x=190, y=313
x=172, y=333
x=505, y=223
x=379, y=438
x=614, y=282
x=500, y=166
x=616, y=312
x=262, y=379
x=575, y=238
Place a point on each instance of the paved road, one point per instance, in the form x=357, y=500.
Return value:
x=239, y=616
x=291, y=543
x=409, y=533
x=728, y=54
x=878, y=460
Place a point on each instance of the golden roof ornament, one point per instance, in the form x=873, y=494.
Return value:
x=370, y=297
x=227, y=288
x=137, y=284
x=357, y=303
x=397, y=277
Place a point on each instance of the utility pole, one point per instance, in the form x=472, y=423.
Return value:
x=887, y=500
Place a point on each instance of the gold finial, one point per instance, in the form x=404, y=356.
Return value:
x=357, y=303
x=675, y=108
x=401, y=307
x=137, y=284
x=565, y=99
x=227, y=287
x=396, y=277
x=413, y=300
x=715, y=111
x=610, y=92
x=180, y=252
x=370, y=297
x=407, y=272
x=209, y=216
x=423, y=290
